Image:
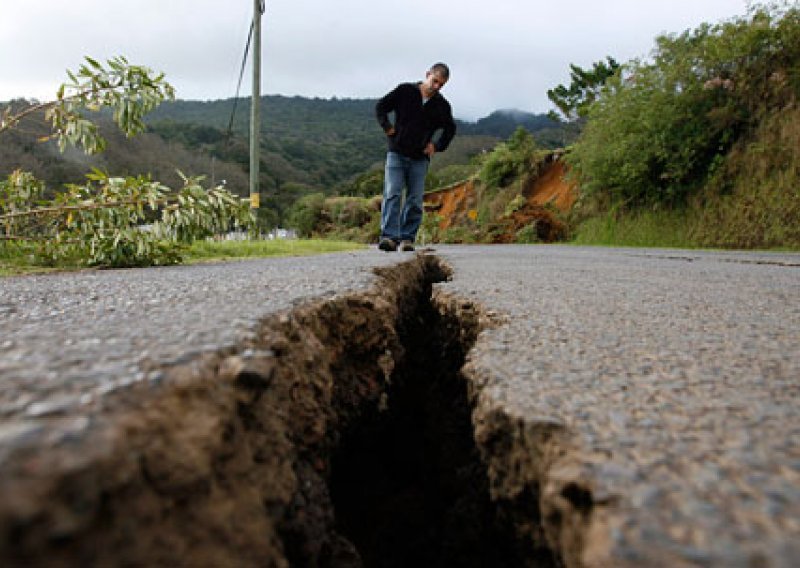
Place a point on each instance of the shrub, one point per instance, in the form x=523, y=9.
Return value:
x=348, y=211
x=508, y=161
x=661, y=129
x=528, y=234
x=306, y=214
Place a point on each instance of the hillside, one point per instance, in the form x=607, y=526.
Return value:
x=308, y=145
x=324, y=142
x=544, y=195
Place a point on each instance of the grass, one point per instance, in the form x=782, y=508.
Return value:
x=661, y=229
x=18, y=265
x=760, y=221
x=16, y=261
x=751, y=202
x=205, y=251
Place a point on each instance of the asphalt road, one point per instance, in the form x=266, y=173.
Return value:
x=676, y=372
x=679, y=374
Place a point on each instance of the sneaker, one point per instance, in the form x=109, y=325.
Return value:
x=407, y=246
x=388, y=245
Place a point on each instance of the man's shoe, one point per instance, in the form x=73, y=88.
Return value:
x=388, y=245
x=407, y=246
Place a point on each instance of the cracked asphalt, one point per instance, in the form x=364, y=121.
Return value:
x=677, y=372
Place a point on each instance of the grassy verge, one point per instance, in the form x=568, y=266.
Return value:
x=662, y=229
x=16, y=261
x=203, y=251
x=751, y=202
x=763, y=218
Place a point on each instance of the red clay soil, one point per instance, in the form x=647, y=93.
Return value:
x=543, y=192
x=551, y=187
x=452, y=203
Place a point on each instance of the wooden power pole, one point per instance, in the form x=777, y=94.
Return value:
x=255, y=107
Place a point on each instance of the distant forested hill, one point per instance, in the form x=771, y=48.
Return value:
x=308, y=145
x=316, y=141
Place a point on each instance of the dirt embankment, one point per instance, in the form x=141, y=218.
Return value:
x=551, y=186
x=545, y=192
x=452, y=203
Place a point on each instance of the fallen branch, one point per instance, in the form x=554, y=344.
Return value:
x=85, y=207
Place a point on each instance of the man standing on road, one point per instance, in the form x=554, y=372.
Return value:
x=419, y=113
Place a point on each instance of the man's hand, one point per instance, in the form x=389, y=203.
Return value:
x=390, y=132
x=430, y=150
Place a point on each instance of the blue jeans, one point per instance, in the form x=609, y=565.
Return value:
x=400, y=219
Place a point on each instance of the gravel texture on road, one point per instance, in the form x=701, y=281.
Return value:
x=672, y=378
x=65, y=338
x=678, y=375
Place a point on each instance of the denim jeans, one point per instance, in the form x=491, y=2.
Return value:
x=400, y=219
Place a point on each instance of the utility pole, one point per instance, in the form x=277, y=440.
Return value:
x=255, y=107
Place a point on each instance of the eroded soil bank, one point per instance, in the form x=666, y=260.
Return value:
x=341, y=436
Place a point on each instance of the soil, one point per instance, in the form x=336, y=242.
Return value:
x=552, y=187
x=453, y=203
x=546, y=194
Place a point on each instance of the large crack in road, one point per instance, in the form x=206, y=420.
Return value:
x=623, y=413
x=341, y=434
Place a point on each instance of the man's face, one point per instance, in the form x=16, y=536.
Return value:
x=433, y=83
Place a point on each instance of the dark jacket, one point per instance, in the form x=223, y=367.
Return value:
x=415, y=123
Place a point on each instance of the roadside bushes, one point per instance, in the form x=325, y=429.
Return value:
x=306, y=213
x=346, y=217
x=661, y=129
x=108, y=221
x=508, y=161
x=754, y=200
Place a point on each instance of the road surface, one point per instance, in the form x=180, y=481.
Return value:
x=649, y=399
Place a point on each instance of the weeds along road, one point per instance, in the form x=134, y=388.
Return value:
x=640, y=407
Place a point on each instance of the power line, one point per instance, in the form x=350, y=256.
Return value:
x=241, y=76
x=262, y=8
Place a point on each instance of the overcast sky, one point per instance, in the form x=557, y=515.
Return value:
x=502, y=53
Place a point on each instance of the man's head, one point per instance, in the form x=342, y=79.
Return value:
x=435, y=79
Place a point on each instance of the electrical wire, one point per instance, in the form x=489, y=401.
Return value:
x=241, y=76
x=262, y=7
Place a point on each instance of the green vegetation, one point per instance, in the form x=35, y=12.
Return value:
x=210, y=250
x=16, y=261
x=666, y=229
x=573, y=102
x=102, y=222
x=129, y=91
x=347, y=218
x=699, y=146
x=508, y=161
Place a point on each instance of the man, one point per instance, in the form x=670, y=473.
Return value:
x=420, y=111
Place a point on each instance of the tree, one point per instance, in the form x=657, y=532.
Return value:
x=573, y=102
x=130, y=91
x=101, y=222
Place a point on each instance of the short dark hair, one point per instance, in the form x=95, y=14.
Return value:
x=442, y=69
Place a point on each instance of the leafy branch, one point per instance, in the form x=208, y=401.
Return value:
x=118, y=222
x=573, y=102
x=110, y=221
x=130, y=90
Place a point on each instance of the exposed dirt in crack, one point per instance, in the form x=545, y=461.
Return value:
x=226, y=461
x=408, y=484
